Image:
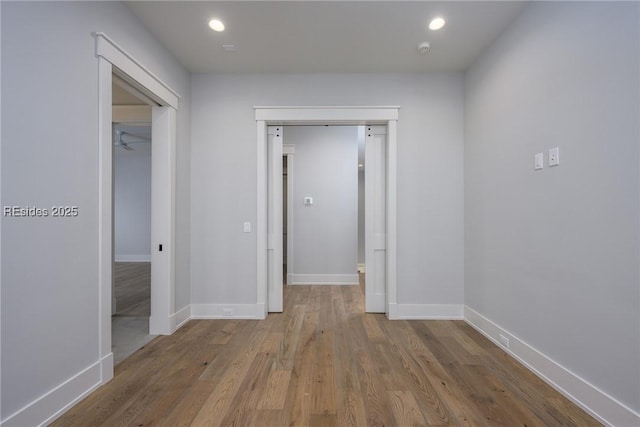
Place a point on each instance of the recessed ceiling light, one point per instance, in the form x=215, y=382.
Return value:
x=360, y=165
x=436, y=23
x=216, y=25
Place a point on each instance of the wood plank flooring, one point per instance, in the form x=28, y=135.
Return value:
x=132, y=281
x=323, y=362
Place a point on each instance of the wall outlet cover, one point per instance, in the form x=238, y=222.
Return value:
x=538, y=161
x=503, y=340
x=554, y=156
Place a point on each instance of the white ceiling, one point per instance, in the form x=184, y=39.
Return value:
x=325, y=36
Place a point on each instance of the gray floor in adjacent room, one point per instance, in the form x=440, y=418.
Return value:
x=128, y=334
x=130, y=324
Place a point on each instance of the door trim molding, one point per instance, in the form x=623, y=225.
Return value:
x=289, y=152
x=133, y=72
x=324, y=279
x=113, y=59
x=345, y=115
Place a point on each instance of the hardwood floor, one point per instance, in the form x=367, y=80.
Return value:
x=132, y=282
x=323, y=362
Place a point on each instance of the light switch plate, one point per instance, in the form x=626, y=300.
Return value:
x=247, y=227
x=538, y=161
x=554, y=156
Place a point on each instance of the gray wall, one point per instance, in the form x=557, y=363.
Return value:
x=49, y=157
x=132, y=203
x=552, y=255
x=430, y=176
x=325, y=168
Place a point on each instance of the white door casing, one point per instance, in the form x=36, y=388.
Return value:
x=289, y=151
x=375, y=219
x=274, y=219
x=342, y=115
x=113, y=59
x=163, y=188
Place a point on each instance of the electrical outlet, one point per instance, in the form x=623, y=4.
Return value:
x=227, y=312
x=503, y=340
x=538, y=161
x=554, y=156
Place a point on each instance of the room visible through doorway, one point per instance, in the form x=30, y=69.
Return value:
x=131, y=290
x=380, y=182
x=323, y=207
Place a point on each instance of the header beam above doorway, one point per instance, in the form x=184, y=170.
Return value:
x=357, y=115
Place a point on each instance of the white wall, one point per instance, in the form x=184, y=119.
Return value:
x=325, y=240
x=552, y=255
x=430, y=176
x=50, y=157
x=132, y=203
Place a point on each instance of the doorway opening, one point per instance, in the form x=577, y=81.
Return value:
x=131, y=290
x=381, y=137
x=115, y=65
x=324, y=206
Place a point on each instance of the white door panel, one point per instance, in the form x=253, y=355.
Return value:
x=375, y=219
x=163, y=180
x=274, y=219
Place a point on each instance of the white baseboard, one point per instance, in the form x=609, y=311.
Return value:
x=261, y=311
x=161, y=325
x=217, y=311
x=596, y=402
x=425, y=311
x=51, y=405
x=132, y=258
x=106, y=368
x=183, y=316
x=324, y=279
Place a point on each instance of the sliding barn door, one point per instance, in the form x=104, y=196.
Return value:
x=274, y=219
x=375, y=219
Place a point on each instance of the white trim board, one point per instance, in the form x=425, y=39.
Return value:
x=425, y=311
x=594, y=401
x=217, y=311
x=132, y=258
x=134, y=73
x=182, y=316
x=353, y=115
x=323, y=279
x=48, y=407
